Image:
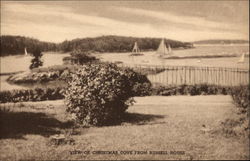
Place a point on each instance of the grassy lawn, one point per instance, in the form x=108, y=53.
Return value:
x=190, y=125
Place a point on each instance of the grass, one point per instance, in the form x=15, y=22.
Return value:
x=192, y=124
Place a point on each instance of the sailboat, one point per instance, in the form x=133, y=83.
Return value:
x=136, y=51
x=25, y=52
x=242, y=58
x=162, y=50
x=169, y=49
x=199, y=61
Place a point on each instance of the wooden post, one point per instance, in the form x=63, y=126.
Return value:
x=176, y=75
x=208, y=75
x=207, y=78
x=190, y=76
x=219, y=76
x=185, y=75
x=239, y=77
x=166, y=71
x=194, y=81
x=231, y=76
x=201, y=75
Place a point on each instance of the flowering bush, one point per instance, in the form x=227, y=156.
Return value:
x=100, y=94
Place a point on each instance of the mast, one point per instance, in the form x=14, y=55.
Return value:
x=25, y=51
x=135, y=49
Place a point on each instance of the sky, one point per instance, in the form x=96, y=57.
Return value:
x=56, y=21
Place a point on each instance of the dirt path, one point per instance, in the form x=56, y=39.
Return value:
x=156, y=123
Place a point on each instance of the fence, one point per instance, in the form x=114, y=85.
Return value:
x=177, y=75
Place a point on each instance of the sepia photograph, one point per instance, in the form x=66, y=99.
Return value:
x=124, y=80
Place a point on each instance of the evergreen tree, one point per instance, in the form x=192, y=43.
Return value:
x=36, y=61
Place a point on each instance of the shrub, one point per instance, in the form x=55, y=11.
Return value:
x=79, y=57
x=37, y=94
x=202, y=89
x=240, y=96
x=140, y=84
x=43, y=75
x=100, y=94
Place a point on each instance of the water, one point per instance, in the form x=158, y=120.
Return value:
x=11, y=64
x=6, y=86
x=21, y=63
x=151, y=59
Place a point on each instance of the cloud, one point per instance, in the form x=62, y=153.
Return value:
x=180, y=19
x=76, y=24
x=57, y=23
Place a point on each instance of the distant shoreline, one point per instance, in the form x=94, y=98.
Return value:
x=199, y=57
x=242, y=44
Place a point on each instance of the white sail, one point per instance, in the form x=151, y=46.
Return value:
x=25, y=51
x=169, y=49
x=162, y=49
x=242, y=58
x=135, y=49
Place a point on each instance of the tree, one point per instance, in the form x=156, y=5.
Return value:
x=36, y=61
x=81, y=57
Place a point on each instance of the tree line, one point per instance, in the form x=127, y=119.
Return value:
x=14, y=45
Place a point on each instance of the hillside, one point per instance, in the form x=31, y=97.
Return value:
x=14, y=45
x=221, y=41
x=117, y=44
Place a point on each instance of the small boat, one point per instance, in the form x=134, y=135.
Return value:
x=242, y=58
x=163, y=51
x=136, y=51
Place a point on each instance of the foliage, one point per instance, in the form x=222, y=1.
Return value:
x=202, y=89
x=14, y=45
x=140, y=84
x=54, y=68
x=117, y=44
x=100, y=94
x=37, y=94
x=80, y=57
x=43, y=75
x=241, y=97
x=36, y=61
